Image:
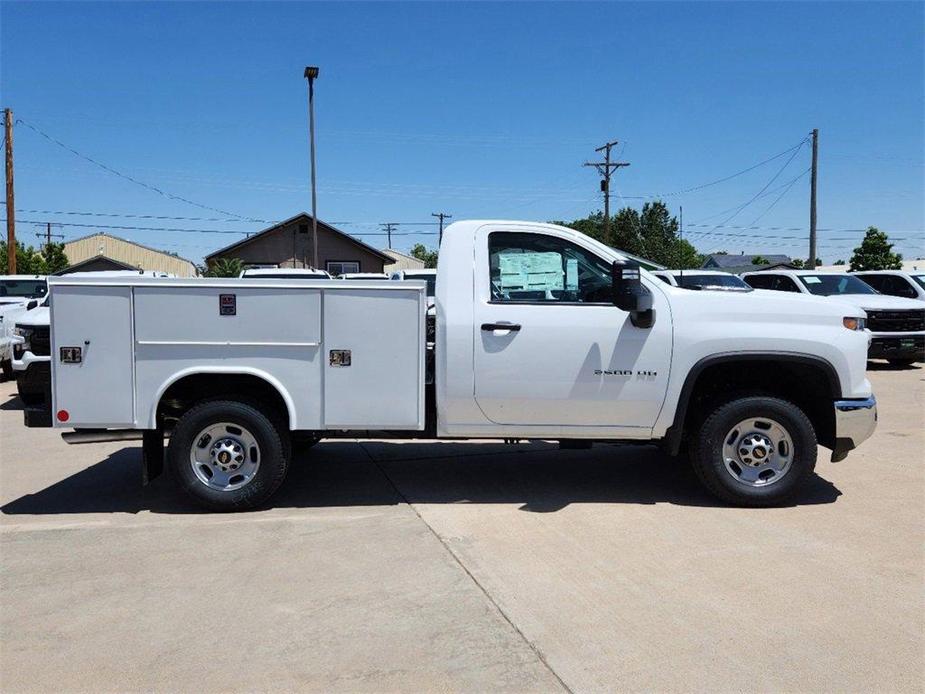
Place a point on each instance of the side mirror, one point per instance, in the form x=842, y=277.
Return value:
x=628, y=293
x=32, y=304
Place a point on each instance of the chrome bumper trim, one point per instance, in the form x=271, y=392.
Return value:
x=855, y=421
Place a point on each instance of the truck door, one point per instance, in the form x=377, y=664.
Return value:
x=550, y=347
x=96, y=388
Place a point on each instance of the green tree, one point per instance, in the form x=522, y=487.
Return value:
x=684, y=256
x=54, y=258
x=429, y=258
x=875, y=253
x=659, y=232
x=760, y=260
x=797, y=263
x=225, y=267
x=839, y=262
x=650, y=233
x=28, y=260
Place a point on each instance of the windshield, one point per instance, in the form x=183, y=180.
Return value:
x=831, y=285
x=712, y=281
x=32, y=289
x=919, y=280
x=430, y=279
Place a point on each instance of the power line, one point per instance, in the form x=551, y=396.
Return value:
x=765, y=187
x=786, y=190
x=729, y=177
x=128, y=227
x=113, y=171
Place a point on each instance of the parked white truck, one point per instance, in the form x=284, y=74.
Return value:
x=541, y=333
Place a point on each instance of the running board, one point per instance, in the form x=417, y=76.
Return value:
x=102, y=435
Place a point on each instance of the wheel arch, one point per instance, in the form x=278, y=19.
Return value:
x=818, y=369
x=260, y=376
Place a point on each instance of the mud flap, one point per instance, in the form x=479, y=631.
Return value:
x=152, y=455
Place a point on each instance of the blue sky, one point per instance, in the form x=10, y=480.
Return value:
x=478, y=110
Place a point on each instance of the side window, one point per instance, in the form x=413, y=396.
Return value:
x=786, y=284
x=878, y=282
x=537, y=268
x=664, y=279
x=899, y=286
x=759, y=281
x=339, y=267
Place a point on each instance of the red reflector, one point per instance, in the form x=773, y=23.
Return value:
x=63, y=415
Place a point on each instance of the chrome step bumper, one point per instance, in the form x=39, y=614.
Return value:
x=855, y=421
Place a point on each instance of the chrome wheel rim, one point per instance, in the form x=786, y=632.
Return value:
x=225, y=456
x=758, y=452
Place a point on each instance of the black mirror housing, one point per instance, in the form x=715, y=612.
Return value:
x=32, y=304
x=629, y=294
x=626, y=287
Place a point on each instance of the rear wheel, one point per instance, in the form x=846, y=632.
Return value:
x=227, y=455
x=755, y=451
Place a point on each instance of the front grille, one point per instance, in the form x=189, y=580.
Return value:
x=896, y=321
x=40, y=342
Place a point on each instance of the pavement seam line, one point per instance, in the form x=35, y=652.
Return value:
x=532, y=646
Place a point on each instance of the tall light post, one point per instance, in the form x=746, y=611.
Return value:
x=311, y=73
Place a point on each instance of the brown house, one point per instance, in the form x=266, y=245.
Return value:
x=289, y=244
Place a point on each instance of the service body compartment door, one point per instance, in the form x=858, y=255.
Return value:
x=374, y=359
x=92, y=375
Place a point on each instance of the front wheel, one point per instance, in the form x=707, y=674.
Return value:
x=755, y=451
x=227, y=455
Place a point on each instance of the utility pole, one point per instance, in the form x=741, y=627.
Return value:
x=311, y=73
x=441, y=216
x=10, y=206
x=48, y=235
x=389, y=228
x=606, y=168
x=812, y=202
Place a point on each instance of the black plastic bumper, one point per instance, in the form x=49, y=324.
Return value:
x=34, y=386
x=897, y=348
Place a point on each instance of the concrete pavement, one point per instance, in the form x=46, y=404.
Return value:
x=468, y=567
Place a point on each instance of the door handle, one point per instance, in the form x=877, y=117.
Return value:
x=513, y=327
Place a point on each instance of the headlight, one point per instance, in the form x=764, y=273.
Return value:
x=854, y=323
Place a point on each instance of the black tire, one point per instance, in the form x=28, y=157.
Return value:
x=707, y=458
x=901, y=363
x=6, y=369
x=273, y=452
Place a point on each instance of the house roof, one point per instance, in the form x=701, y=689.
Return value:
x=722, y=260
x=134, y=243
x=102, y=256
x=286, y=222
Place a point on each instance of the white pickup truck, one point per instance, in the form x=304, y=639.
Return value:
x=541, y=333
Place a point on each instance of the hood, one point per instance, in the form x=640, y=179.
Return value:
x=879, y=302
x=36, y=317
x=798, y=308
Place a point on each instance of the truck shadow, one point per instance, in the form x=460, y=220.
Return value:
x=538, y=477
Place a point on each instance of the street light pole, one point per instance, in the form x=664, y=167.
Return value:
x=310, y=74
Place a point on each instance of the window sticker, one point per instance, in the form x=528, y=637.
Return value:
x=812, y=280
x=538, y=271
x=571, y=274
